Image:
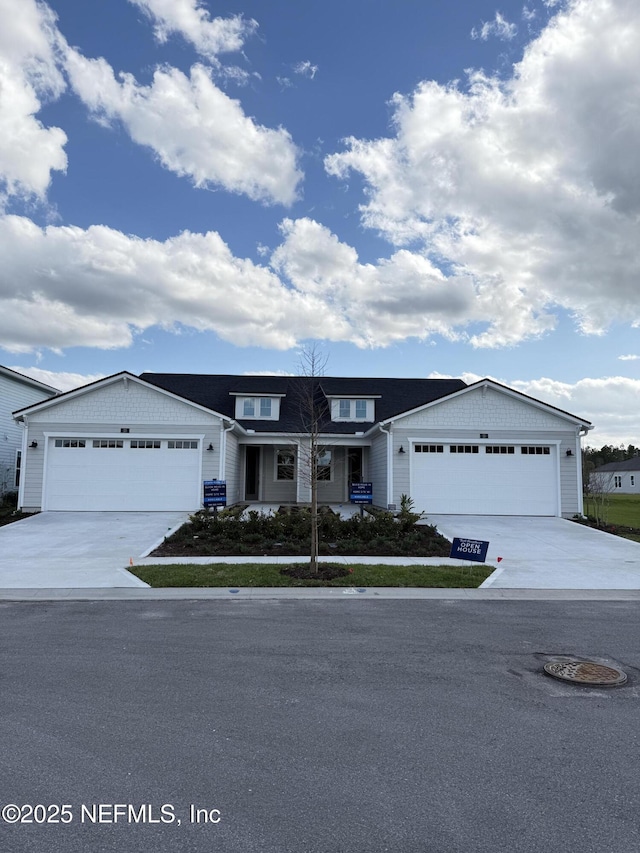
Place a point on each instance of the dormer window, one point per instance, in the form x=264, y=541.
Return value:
x=358, y=409
x=258, y=408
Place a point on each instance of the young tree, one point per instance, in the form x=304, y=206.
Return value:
x=313, y=416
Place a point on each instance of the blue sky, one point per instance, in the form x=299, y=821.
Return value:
x=423, y=188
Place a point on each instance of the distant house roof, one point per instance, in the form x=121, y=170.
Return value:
x=627, y=465
x=27, y=380
x=217, y=392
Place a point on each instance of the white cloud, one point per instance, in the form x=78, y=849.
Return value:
x=530, y=187
x=29, y=151
x=59, y=379
x=396, y=298
x=628, y=357
x=65, y=286
x=499, y=27
x=305, y=69
x=610, y=403
x=195, y=129
x=189, y=18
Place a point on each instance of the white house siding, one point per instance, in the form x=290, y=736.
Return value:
x=504, y=418
x=377, y=469
x=626, y=487
x=232, y=465
x=275, y=491
x=14, y=395
x=107, y=410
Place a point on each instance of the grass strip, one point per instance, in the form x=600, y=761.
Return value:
x=263, y=575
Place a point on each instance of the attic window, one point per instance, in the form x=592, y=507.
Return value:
x=352, y=410
x=260, y=408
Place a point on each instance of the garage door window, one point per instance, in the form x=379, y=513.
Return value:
x=145, y=444
x=535, y=451
x=494, y=449
x=70, y=442
x=463, y=448
x=429, y=448
x=108, y=442
x=182, y=444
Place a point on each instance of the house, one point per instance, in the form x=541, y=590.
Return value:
x=621, y=478
x=148, y=442
x=16, y=391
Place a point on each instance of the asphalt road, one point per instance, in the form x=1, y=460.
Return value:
x=316, y=727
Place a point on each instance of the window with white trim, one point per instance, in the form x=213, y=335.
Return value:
x=265, y=408
x=19, y=465
x=617, y=482
x=145, y=444
x=352, y=410
x=108, y=442
x=70, y=442
x=633, y=481
x=182, y=444
x=285, y=465
x=323, y=466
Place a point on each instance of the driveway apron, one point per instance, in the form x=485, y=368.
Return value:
x=79, y=549
x=548, y=553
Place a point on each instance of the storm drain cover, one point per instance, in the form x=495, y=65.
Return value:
x=586, y=672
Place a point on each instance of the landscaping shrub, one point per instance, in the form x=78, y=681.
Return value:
x=288, y=533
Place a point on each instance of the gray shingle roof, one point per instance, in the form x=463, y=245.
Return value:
x=215, y=391
x=627, y=465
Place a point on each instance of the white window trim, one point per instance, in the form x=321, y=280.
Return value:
x=275, y=407
x=277, y=450
x=336, y=417
x=17, y=470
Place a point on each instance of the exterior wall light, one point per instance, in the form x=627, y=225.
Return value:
x=569, y=452
x=33, y=444
x=401, y=449
x=210, y=448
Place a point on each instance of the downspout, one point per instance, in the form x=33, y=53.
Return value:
x=583, y=430
x=23, y=462
x=223, y=451
x=389, y=461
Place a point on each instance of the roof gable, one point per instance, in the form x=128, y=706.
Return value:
x=503, y=389
x=27, y=380
x=107, y=381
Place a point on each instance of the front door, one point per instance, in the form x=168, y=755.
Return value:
x=354, y=465
x=252, y=473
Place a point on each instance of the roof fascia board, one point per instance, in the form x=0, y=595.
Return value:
x=489, y=383
x=124, y=376
x=20, y=377
x=255, y=394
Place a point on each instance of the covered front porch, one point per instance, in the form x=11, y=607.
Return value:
x=277, y=473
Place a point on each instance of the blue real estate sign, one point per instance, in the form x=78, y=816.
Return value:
x=361, y=493
x=469, y=549
x=215, y=492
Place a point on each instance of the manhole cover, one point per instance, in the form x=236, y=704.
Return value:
x=586, y=672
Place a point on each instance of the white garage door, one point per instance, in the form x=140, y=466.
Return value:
x=96, y=474
x=472, y=479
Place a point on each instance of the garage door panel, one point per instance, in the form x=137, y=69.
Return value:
x=486, y=483
x=122, y=478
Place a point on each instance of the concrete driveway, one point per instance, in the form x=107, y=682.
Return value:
x=79, y=549
x=548, y=553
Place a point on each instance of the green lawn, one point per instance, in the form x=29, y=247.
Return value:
x=622, y=509
x=259, y=574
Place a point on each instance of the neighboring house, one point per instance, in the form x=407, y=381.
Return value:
x=149, y=442
x=16, y=391
x=618, y=477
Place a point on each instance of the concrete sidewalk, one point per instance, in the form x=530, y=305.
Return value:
x=309, y=593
